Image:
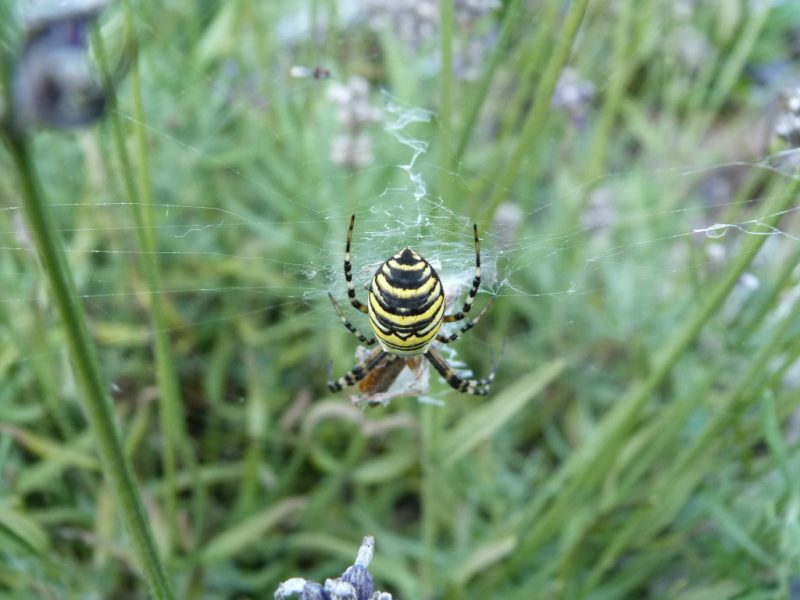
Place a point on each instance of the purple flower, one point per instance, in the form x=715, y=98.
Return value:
x=354, y=584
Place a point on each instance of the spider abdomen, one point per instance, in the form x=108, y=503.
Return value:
x=406, y=304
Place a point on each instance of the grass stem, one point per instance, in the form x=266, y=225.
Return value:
x=446, y=102
x=96, y=400
x=581, y=473
x=529, y=138
x=141, y=201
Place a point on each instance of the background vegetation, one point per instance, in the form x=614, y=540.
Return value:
x=641, y=438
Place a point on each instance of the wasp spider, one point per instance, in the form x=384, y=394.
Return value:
x=406, y=311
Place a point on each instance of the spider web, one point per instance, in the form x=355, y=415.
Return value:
x=299, y=232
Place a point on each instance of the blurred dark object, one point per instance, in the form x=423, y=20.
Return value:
x=52, y=82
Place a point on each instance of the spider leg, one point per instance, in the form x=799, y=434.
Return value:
x=446, y=339
x=476, y=387
x=358, y=372
x=476, y=282
x=364, y=339
x=348, y=270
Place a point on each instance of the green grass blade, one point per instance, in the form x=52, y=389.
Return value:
x=94, y=387
x=582, y=472
x=250, y=531
x=512, y=12
x=446, y=100
x=484, y=422
x=482, y=558
x=141, y=200
x=22, y=530
x=733, y=530
x=538, y=114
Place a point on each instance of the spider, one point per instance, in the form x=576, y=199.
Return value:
x=406, y=310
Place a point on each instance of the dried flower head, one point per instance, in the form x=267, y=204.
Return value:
x=600, y=212
x=352, y=99
x=353, y=148
x=787, y=122
x=416, y=21
x=505, y=227
x=691, y=47
x=351, y=151
x=354, y=584
x=573, y=95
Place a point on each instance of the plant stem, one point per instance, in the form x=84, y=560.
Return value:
x=430, y=426
x=96, y=400
x=499, y=54
x=580, y=475
x=529, y=138
x=141, y=201
x=529, y=64
x=728, y=72
x=446, y=100
x=622, y=66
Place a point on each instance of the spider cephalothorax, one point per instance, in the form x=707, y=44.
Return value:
x=406, y=308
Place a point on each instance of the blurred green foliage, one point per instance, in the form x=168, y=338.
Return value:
x=642, y=434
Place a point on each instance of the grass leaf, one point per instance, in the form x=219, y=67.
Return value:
x=482, y=423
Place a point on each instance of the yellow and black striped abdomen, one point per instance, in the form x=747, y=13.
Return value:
x=406, y=304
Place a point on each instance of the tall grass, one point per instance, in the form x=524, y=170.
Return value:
x=641, y=435
x=93, y=389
